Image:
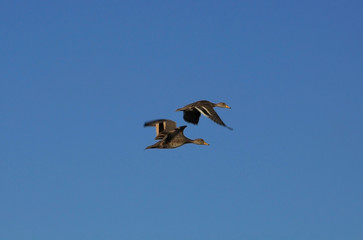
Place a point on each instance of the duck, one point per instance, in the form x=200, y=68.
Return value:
x=169, y=135
x=191, y=112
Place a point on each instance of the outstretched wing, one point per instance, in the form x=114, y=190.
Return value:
x=209, y=112
x=163, y=126
x=191, y=116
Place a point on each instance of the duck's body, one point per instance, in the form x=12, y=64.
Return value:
x=191, y=112
x=170, y=135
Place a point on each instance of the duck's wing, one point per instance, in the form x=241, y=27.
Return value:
x=209, y=112
x=190, y=112
x=163, y=126
x=191, y=116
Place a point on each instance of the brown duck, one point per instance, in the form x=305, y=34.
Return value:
x=192, y=112
x=170, y=135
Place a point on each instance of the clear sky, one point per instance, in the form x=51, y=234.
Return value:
x=79, y=78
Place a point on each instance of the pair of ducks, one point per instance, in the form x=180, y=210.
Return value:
x=171, y=136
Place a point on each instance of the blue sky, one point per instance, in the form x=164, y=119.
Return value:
x=79, y=79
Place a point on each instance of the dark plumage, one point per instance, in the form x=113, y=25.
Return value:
x=192, y=112
x=170, y=135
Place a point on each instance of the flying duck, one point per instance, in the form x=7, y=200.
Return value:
x=169, y=135
x=192, y=112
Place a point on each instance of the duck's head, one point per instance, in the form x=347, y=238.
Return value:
x=222, y=105
x=200, y=141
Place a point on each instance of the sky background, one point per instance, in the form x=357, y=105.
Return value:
x=79, y=78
